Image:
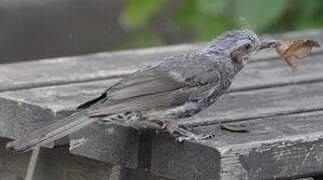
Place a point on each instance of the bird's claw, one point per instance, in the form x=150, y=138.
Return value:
x=187, y=135
x=169, y=126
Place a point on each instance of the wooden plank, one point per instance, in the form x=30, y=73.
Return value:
x=267, y=102
x=32, y=164
x=139, y=174
x=317, y=177
x=308, y=178
x=247, y=105
x=13, y=165
x=97, y=136
x=277, y=147
x=231, y=107
x=25, y=110
x=60, y=164
x=81, y=68
x=63, y=98
x=100, y=65
x=122, y=145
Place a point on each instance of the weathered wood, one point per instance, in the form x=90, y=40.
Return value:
x=37, y=107
x=237, y=106
x=318, y=177
x=277, y=147
x=308, y=178
x=122, y=145
x=101, y=65
x=259, y=91
x=59, y=164
x=139, y=174
x=12, y=165
x=32, y=164
x=267, y=102
x=27, y=110
x=81, y=68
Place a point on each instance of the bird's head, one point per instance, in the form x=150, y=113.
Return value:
x=239, y=46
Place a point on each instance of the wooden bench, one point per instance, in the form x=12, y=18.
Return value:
x=283, y=112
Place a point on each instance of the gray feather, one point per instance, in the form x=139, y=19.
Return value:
x=143, y=83
x=142, y=103
x=52, y=132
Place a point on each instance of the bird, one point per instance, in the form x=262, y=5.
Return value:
x=159, y=94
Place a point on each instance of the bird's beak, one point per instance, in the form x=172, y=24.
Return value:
x=266, y=43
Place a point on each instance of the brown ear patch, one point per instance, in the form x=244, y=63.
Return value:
x=236, y=56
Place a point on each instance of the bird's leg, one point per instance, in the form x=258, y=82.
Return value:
x=167, y=123
x=188, y=135
x=157, y=117
x=169, y=126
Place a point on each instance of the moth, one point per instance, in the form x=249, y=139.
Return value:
x=290, y=51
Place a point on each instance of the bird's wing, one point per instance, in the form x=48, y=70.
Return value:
x=141, y=103
x=152, y=81
x=159, y=87
x=152, y=88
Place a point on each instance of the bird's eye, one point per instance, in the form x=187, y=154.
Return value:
x=247, y=46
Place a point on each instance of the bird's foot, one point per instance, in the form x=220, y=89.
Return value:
x=169, y=126
x=188, y=135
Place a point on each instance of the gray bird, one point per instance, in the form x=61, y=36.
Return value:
x=159, y=94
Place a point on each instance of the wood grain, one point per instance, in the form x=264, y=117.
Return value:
x=26, y=110
x=282, y=111
x=277, y=147
x=65, y=70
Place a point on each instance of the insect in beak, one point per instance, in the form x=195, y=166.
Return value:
x=266, y=43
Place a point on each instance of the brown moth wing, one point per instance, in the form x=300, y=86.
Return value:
x=292, y=50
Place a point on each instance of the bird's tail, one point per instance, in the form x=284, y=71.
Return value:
x=52, y=132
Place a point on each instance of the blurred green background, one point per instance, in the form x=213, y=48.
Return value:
x=205, y=19
x=36, y=29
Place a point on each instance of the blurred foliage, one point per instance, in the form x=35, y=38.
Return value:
x=138, y=12
x=208, y=18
